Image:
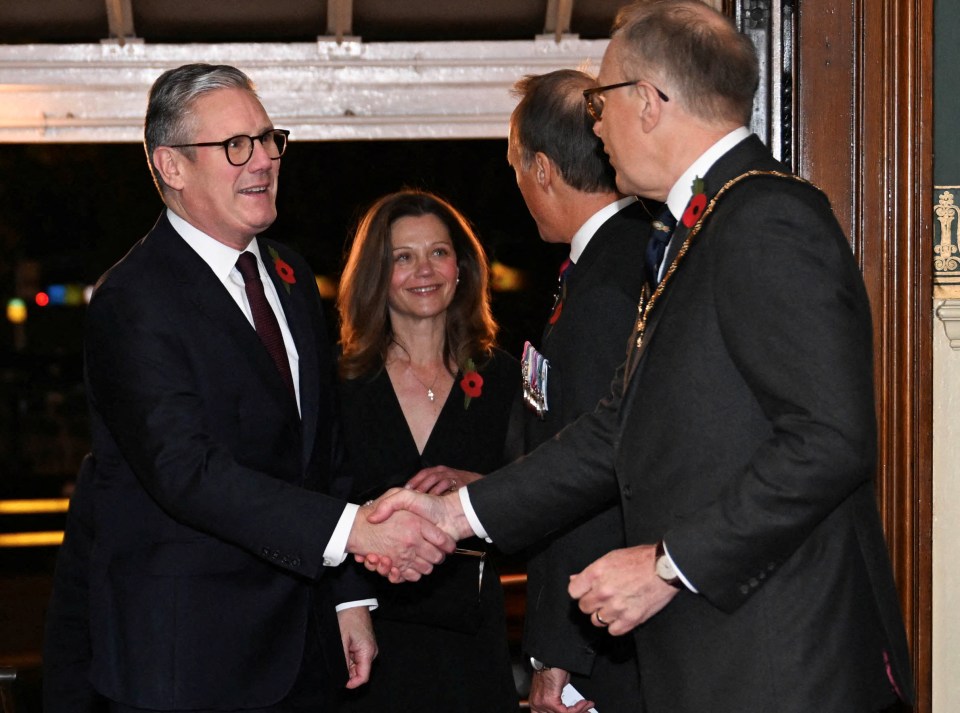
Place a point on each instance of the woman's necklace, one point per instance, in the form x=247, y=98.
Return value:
x=430, y=394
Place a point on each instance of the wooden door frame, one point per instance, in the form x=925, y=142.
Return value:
x=863, y=132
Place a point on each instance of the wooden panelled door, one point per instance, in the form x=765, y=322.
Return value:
x=856, y=119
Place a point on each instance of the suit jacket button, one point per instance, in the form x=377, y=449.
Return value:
x=744, y=589
x=295, y=562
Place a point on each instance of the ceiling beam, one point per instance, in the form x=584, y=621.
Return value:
x=120, y=20
x=320, y=91
x=339, y=19
x=559, y=13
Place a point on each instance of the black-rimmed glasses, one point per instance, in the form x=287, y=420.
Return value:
x=239, y=149
x=594, y=96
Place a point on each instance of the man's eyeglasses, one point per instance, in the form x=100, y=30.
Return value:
x=595, y=100
x=239, y=149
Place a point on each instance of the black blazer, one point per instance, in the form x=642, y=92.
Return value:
x=744, y=435
x=584, y=347
x=66, y=649
x=210, y=515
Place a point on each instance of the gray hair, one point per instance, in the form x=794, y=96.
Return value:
x=694, y=48
x=170, y=119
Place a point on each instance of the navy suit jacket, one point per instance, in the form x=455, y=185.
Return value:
x=744, y=434
x=212, y=496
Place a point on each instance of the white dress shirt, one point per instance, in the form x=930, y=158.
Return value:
x=585, y=234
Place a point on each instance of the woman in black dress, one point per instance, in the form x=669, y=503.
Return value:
x=424, y=386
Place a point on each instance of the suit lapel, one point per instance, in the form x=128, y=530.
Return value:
x=581, y=272
x=741, y=158
x=211, y=302
x=202, y=288
x=748, y=154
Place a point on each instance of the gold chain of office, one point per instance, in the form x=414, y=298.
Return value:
x=647, y=300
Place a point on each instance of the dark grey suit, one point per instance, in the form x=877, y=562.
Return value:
x=745, y=436
x=585, y=346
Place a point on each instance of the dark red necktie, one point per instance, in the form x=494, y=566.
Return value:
x=264, y=319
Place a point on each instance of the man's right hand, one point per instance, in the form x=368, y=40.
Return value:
x=414, y=545
x=446, y=512
x=546, y=688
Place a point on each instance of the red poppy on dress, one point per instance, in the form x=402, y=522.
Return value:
x=472, y=384
x=696, y=205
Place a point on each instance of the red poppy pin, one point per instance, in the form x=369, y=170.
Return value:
x=471, y=383
x=696, y=205
x=283, y=269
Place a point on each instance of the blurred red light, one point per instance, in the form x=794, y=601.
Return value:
x=42, y=299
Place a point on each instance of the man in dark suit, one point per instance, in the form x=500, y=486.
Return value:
x=66, y=653
x=741, y=436
x=216, y=508
x=570, y=190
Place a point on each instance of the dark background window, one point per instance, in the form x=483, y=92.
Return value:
x=69, y=211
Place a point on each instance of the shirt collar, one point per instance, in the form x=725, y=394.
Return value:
x=586, y=232
x=221, y=258
x=682, y=190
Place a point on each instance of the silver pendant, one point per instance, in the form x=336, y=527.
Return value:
x=430, y=394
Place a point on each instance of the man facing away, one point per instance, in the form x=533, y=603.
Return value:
x=216, y=510
x=741, y=435
x=569, y=188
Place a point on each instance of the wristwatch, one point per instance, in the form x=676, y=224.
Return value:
x=664, y=568
x=538, y=665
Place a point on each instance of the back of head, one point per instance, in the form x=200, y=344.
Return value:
x=697, y=51
x=169, y=119
x=363, y=297
x=551, y=118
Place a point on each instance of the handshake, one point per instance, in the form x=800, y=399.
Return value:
x=406, y=531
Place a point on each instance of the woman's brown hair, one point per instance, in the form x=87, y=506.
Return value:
x=365, y=330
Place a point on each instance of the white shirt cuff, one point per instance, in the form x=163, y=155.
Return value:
x=336, y=550
x=683, y=579
x=471, y=515
x=370, y=603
